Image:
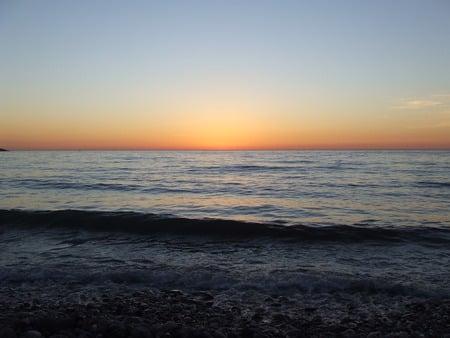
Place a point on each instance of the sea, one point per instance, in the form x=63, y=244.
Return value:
x=317, y=226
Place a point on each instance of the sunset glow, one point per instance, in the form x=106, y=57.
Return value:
x=225, y=75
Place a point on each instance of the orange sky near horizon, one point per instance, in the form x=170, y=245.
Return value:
x=237, y=131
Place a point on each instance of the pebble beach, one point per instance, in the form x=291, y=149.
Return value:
x=73, y=312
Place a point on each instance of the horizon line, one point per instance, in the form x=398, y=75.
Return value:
x=241, y=149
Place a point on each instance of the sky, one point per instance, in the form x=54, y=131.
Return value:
x=225, y=74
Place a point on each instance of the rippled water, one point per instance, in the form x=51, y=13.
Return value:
x=292, y=223
x=310, y=187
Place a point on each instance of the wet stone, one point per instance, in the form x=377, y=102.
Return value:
x=175, y=292
x=374, y=334
x=32, y=334
x=349, y=333
x=205, y=296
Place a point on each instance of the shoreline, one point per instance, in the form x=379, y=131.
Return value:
x=80, y=311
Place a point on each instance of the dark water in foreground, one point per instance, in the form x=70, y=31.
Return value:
x=240, y=224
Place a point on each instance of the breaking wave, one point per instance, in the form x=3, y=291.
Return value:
x=147, y=223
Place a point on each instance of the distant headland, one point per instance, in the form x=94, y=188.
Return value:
x=1, y=149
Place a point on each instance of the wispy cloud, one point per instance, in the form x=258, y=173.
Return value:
x=427, y=112
x=422, y=103
x=418, y=104
x=437, y=102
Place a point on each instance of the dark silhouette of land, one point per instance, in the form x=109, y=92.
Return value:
x=1, y=149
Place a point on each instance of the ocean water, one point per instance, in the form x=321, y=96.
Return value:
x=243, y=225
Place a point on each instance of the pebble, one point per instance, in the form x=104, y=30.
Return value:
x=349, y=333
x=175, y=292
x=32, y=334
x=205, y=296
x=169, y=326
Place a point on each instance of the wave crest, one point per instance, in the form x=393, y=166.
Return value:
x=141, y=223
